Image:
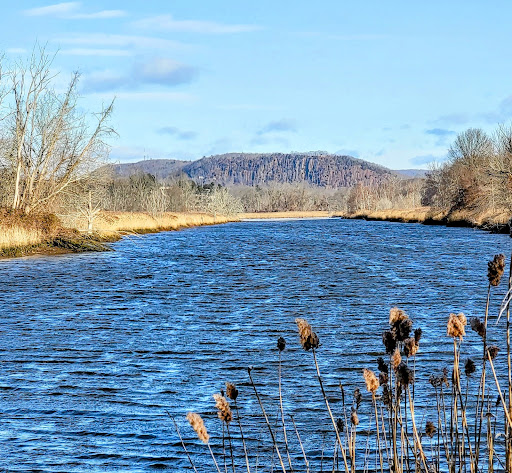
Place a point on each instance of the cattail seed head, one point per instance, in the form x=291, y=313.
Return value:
x=493, y=351
x=354, y=418
x=386, y=396
x=404, y=375
x=430, y=429
x=340, y=425
x=417, y=335
x=410, y=347
x=308, y=338
x=198, y=425
x=389, y=341
x=402, y=329
x=477, y=325
x=281, y=343
x=381, y=364
x=455, y=326
x=231, y=391
x=495, y=269
x=383, y=378
x=223, y=409
x=372, y=383
x=469, y=367
x=396, y=359
x=358, y=398
x=396, y=315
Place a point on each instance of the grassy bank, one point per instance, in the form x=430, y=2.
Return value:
x=497, y=221
x=291, y=214
x=22, y=235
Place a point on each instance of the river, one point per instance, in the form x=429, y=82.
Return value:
x=96, y=347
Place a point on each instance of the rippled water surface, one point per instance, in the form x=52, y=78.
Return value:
x=96, y=347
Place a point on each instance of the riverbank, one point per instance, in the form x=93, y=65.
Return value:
x=497, y=221
x=45, y=235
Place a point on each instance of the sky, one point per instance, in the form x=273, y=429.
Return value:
x=389, y=82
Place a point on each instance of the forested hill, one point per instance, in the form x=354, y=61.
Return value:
x=324, y=170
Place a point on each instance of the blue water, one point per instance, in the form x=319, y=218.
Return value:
x=96, y=347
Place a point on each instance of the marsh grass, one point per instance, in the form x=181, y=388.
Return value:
x=465, y=430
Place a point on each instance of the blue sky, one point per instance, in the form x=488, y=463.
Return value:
x=391, y=82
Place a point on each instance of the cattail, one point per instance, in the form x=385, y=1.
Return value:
x=383, y=378
x=435, y=381
x=389, y=341
x=417, y=335
x=404, y=375
x=198, y=425
x=354, y=418
x=410, y=347
x=231, y=391
x=358, y=397
x=308, y=338
x=223, y=409
x=430, y=429
x=444, y=379
x=396, y=359
x=402, y=329
x=478, y=326
x=469, y=367
x=372, y=383
x=383, y=367
x=396, y=315
x=495, y=269
x=340, y=425
x=281, y=343
x=386, y=395
x=493, y=351
x=455, y=326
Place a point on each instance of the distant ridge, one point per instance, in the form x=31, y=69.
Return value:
x=251, y=169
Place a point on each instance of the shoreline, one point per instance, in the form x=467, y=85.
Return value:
x=109, y=228
x=497, y=222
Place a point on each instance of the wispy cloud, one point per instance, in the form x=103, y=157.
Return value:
x=72, y=11
x=453, y=119
x=502, y=113
x=164, y=71
x=177, y=133
x=442, y=135
x=278, y=126
x=168, y=23
x=95, y=52
x=439, y=132
x=158, y=71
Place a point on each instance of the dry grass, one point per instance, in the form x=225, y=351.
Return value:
x=419, y=214
x=12, y=237
x=290, y=214
x=145, y=223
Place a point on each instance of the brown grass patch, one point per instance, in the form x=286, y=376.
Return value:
x=290, y=214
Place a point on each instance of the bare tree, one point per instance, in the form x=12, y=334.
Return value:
x=52, y=143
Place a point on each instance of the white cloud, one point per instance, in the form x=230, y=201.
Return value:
x=16, y=50
x=72, y=11
x=57, y=9
x=95, y=52
x=168, y=23
x=106, y=40
x=148, y=96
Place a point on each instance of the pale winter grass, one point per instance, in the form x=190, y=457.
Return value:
x=290, y=214
x=143, y=222
x=418, y=214
x=13, y=237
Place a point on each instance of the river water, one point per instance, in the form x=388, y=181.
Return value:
x=95, y=348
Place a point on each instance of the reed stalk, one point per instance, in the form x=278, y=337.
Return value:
x=181, y=440
x=342, y=449
x=306, y=462
x=282, y=414
x=267, y=422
